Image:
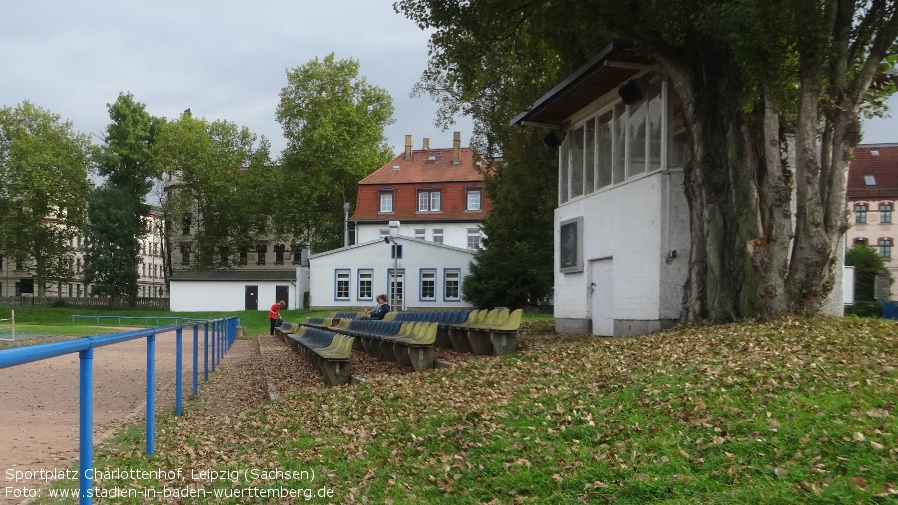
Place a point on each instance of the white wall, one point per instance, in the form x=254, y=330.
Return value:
x=454, y=234
x=376, y=255
x=221, y=295
x=629, y=223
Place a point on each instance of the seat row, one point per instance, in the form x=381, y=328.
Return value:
x=409, y=344
x=487, y=332
x=482, y=332
x=327, y=351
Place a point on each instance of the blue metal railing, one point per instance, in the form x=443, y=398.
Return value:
x=223, y=334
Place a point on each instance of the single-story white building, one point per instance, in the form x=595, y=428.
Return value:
x=428, y=275
x=622, y=232
x=233, y=290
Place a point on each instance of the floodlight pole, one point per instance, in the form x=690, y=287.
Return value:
x=346, y=224
x=395, y=249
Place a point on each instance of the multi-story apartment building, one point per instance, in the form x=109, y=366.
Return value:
x=15, y=277
x=435, y=194
x=872, y=194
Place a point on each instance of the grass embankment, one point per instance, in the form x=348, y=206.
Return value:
x=793, y=411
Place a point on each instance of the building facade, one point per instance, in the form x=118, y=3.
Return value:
x=622, y=234
x=871, y=195
x=435, y=194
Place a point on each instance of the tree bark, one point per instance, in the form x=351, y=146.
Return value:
x=739, y=192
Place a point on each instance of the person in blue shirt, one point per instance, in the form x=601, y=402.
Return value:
x=381, y=310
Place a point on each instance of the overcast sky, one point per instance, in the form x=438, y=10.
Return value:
x=223, y=59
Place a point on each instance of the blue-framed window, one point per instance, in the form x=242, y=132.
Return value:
x=452, y=284
x=365, y=283
x=428, y=285
x=341, y=284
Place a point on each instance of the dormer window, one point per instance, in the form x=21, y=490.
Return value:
x=429, y=201
x=473, y=200
x=386, y=202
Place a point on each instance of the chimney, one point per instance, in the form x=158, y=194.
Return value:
x=426, y=143
x=408, y=147
x=456, y=148
x=304, y=254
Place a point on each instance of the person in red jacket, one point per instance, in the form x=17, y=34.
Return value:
x=275, y=313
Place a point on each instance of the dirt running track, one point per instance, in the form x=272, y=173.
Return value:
x=39, y=403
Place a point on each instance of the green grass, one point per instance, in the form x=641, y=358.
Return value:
x=795, y=412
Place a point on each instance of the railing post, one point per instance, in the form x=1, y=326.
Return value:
x=206, y=352
x=151, y=393
x=178, y=370
x=196, y=371
x=214, y=344
x=86, y=427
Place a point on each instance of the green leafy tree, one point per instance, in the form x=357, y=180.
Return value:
x=43, y=191
x=755, y=79
x=867, y=265
x=334, y=124
x=220, y=183
x=515, y=266
x=119, y=213
x=111, y=254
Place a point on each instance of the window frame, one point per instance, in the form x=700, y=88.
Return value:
x=338, y=272
x=474, y=233
x=885, y=248
x=472, y=192
x=430, y=200
x=860, y=213
x=427, y=284
x=566, y=264
x=386, y=197
x=447, y=284
x=885, y=213
x=365, y=284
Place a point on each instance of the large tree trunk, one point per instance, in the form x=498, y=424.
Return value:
x=739, y=192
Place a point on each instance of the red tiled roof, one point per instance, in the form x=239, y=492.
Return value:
x=428, y=169
x=426, y=165
x=879, y=161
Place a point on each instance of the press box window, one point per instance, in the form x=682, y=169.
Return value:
x=571, y=245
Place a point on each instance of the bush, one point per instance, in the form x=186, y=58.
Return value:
x=864, y=309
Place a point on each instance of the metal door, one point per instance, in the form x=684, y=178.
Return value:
x=283, y=293
x=252, y=297
x=601, y=292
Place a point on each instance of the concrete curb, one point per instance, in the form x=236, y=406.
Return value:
x=272, y=390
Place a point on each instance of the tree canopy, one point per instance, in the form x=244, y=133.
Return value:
x=756, y=81
x=334, y=122
x=118, y=214
x=43, y=191
x=219, y=188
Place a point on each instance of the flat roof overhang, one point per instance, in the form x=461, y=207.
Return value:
x=614, y=66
